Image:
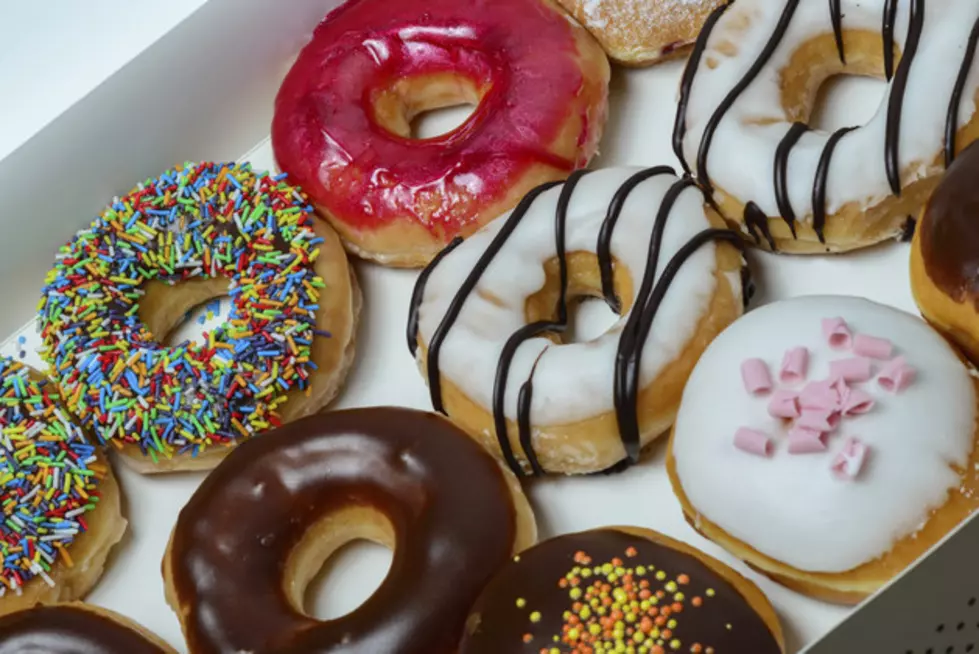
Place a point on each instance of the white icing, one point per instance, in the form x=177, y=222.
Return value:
x=573, y=381
x=791, y=507
x=742, y=154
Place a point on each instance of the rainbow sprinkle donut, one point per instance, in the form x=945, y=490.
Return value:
x=197, y=232
x=57, y=494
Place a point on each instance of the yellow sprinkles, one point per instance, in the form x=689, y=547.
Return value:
x=199, y=220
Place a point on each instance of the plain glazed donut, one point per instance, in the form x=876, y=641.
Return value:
x=61, y=503
x=830, y=487
x=945, y=255
x=198, y=232
x=642, y=32
x=263, y=523
x=342, y=126
x=751, y=85
x=680, y=600
x=75, y=629
x=486, y=318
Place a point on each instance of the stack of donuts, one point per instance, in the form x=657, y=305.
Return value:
x=829, y=399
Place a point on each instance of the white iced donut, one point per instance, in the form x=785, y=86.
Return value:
x=751, y=85
x=487, y=316
x=832, y=487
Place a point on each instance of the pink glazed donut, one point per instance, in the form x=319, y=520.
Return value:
x=342, y=126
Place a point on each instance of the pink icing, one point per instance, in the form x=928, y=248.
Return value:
x=856, y=369
x=784, y=404
x=837, y=333
x=794, y=366
x=871, y=346
x=896, y=375
x=850, y=461
x=753, y=442
x=324, y=134
x=757, y=379
x=806, y=441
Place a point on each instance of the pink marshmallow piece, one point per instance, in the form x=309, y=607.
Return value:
x=837, y=333
x=843, y=391
x=857, y=402
x=815, y=420
x=757, y=379
x=856, y=369
x=850, y=460
x=784, y=404
x=753, y=442
x=871, y=346
x=896, y=375
x=794, y=366
x=806, y=441
x=819, y=395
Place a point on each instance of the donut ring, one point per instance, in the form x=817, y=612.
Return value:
x=342, y=126
x=642, y=32
x=705, y=606
x=217, y=229
x=897, y=473
x=751, y=84
x=54, y=548
x=74, y=628
x=944, y=255
x=264, y=522
x=486, y=317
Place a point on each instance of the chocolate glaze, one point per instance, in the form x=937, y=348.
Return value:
x=821, y=179
x=952, y=119
x=757, y=223
x=836, y=17
x=773, y=42
x=67, y=629
x=949, y=230
x=497, y=625
x=782, y=153
x=445, y=497
x=418, y=294
x=686, y=83
x=887, y=37
x=895, y=101
x=633, y=339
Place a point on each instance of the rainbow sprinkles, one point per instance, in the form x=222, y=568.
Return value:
x=49, y=477
x=203, y=220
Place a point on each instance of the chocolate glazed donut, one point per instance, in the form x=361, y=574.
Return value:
x=74, y=629
x=263, y=523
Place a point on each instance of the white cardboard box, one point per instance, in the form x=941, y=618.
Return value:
x=205, y=91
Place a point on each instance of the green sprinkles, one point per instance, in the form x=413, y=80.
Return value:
x=203, y=220
x=49, y=476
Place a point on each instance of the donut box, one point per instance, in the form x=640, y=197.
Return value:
x=127, y=129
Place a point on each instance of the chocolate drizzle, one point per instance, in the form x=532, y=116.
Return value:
x=836, y=17
x=820, y=181
x=757, y=223
x=445, y=499
x=686, y=84
x=887, y=37
x=895, y=102
x=419, y=292
x=603, y=249
x=722, y=619
x=952, y=119
x=634, y=334
x=773, y=42
x=782, y=153
x=69, y=629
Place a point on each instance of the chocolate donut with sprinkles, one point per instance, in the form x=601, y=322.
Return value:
x=60, y=502
x=195, y=233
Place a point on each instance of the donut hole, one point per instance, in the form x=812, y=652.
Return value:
x=427, y=106
x=180, y=313
x=820, y=90
x=340, y=563
x=589, y=316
